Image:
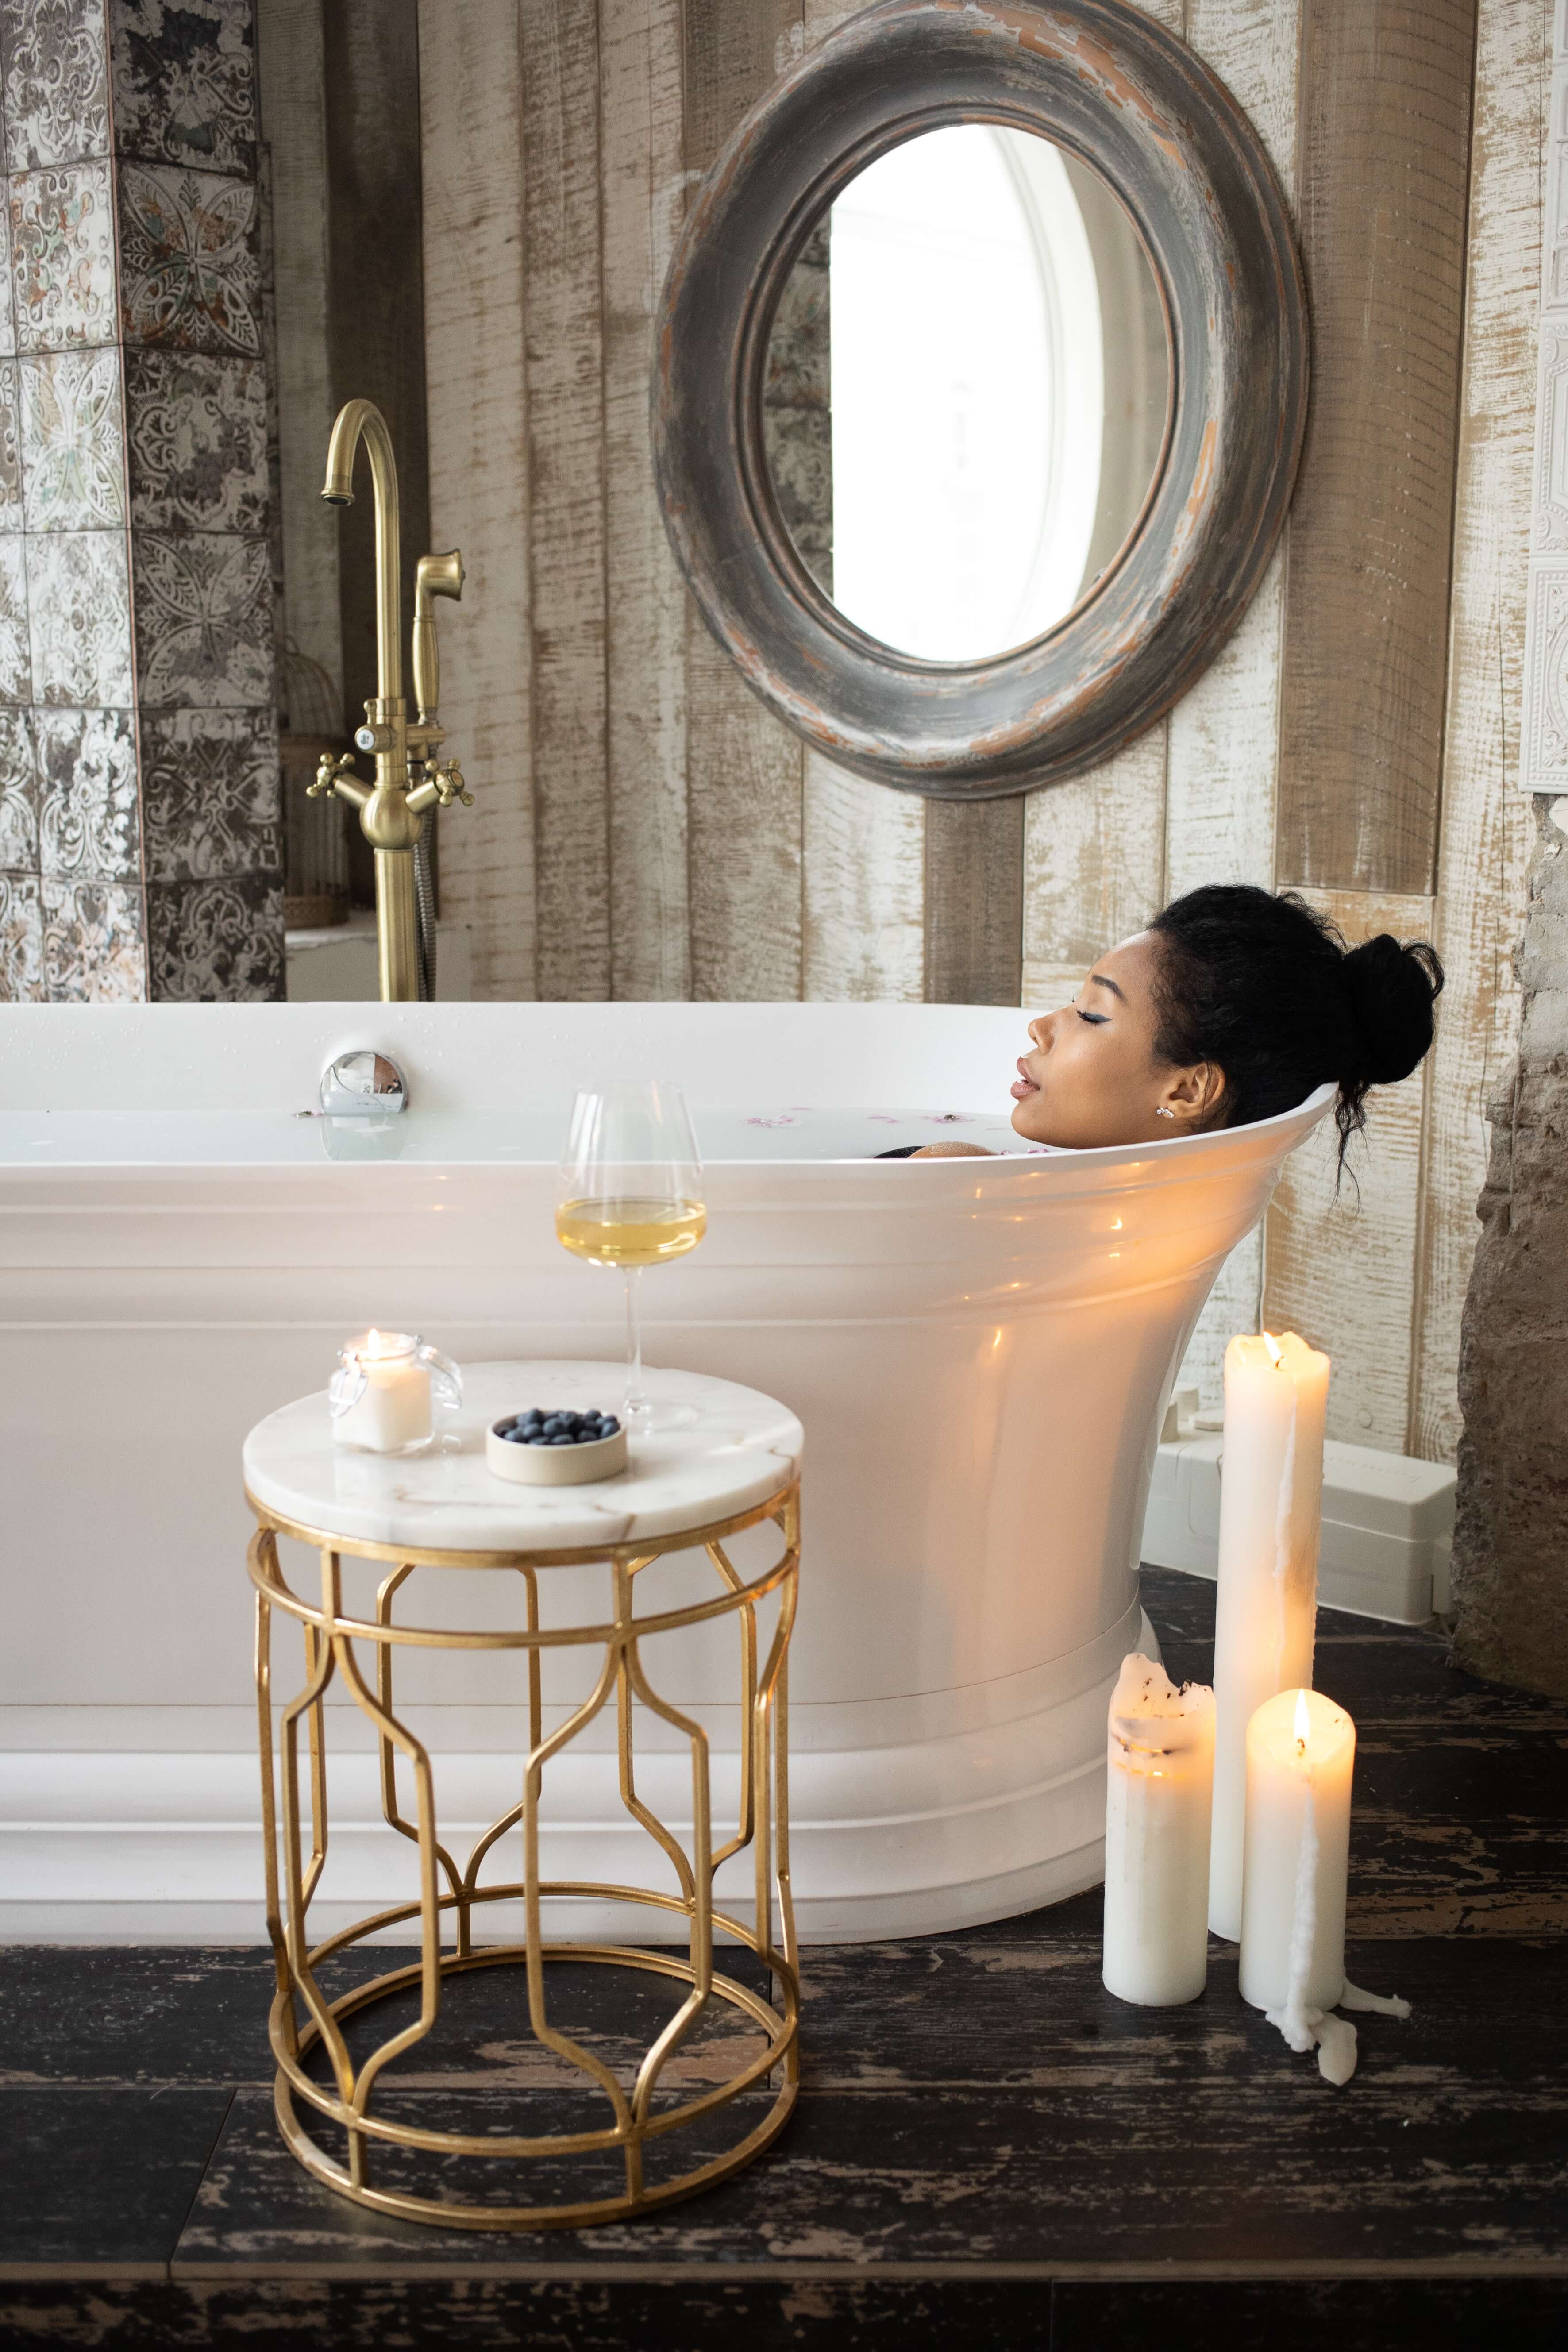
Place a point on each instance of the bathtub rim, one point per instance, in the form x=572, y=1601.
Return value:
x=1272, y=1139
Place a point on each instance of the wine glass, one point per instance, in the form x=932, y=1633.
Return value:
x=630, y=1194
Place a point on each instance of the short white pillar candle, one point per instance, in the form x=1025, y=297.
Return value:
x=391, y=1412
x=1159, y=1772
x=1300, y=1754
x=1270, y=1511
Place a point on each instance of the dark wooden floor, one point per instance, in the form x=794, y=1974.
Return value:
x=990, y=2150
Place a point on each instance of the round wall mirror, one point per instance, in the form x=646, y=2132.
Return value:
x=981, y=382
x=967, y=391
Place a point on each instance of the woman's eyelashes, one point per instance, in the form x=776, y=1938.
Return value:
x=1095, y=1020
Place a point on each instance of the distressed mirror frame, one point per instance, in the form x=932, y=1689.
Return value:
x=1138, y=107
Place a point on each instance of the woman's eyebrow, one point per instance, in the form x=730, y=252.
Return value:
x=1099, y=981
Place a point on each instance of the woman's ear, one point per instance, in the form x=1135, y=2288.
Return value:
x=1192, y=1097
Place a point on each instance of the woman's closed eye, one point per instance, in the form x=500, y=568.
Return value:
x=1095, y=1020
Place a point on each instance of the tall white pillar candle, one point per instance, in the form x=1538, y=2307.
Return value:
x=1301, y=1755
x=393, y=1412
x=1159, y=1775
x=1271, y=1510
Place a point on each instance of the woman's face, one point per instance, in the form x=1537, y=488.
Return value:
x=1092, y=1077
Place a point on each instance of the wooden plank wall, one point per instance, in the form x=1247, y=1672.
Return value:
x=646, y=830
x=1487, y=832
x=1382, y=161
x=369, y=65
x=470, y=72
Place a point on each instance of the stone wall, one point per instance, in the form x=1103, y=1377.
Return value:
x=1510, y=1545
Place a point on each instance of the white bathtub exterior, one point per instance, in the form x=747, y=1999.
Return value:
x=979, y=1351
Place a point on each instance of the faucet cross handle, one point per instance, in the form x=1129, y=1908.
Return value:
x=329, y=768
x=447, y=779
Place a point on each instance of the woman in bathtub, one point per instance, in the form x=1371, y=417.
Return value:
x=1232, y=1006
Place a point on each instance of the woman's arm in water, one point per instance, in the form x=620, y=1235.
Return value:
x=940, y=1151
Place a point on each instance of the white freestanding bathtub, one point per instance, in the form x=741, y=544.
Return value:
x=979, y=1351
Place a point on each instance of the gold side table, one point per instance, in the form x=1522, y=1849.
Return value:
x=736, y=1468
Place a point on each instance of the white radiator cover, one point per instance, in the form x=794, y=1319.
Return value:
x=1388, y=1525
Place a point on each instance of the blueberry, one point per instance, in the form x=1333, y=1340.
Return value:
x=531, y=1421
x=514, y=1437
x=537, y=1437
x=563, y=1440
x=611, y=1426
x=593, y=1413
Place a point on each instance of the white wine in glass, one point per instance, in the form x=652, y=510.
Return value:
x=630, y=1194
x=630, y=1233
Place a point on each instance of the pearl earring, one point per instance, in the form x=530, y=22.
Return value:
x=1162, y=1112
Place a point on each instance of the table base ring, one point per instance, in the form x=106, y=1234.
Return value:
x=782, y=2052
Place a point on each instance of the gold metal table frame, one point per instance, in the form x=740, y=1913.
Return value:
x=291, y=1881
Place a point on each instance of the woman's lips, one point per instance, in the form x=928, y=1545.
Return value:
x=1024, y=1086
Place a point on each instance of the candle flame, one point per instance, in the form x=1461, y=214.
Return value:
x=374, y=1340
x=1303, y=1719
x=1276, y=1353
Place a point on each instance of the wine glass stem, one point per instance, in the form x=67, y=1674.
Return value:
x=636, y=1402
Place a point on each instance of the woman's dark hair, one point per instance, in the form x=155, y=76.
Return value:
x=1266, y=987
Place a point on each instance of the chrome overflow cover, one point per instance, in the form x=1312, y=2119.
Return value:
x=363, y=1084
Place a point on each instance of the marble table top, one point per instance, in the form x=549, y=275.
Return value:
x=741, y=1448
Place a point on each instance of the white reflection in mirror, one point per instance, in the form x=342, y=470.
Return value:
x=979, y=322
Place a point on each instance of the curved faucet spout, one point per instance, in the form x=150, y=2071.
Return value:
x=360, y=420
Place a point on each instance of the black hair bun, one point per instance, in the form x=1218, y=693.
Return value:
x=1392, y=991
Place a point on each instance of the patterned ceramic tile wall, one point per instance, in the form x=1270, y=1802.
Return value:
x=72, y=907
x=196, y=442
x=140, y=842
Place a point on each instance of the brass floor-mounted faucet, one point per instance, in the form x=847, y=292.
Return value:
x=408, y=778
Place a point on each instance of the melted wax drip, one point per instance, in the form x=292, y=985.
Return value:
x=1334, y=2037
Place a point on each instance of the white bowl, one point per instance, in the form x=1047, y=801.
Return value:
x=554, y=1466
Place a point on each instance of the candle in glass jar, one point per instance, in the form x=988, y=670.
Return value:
x=393, y=1410
x=1301, y=1755
x=1271, y=1510
x=1160, y=1772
